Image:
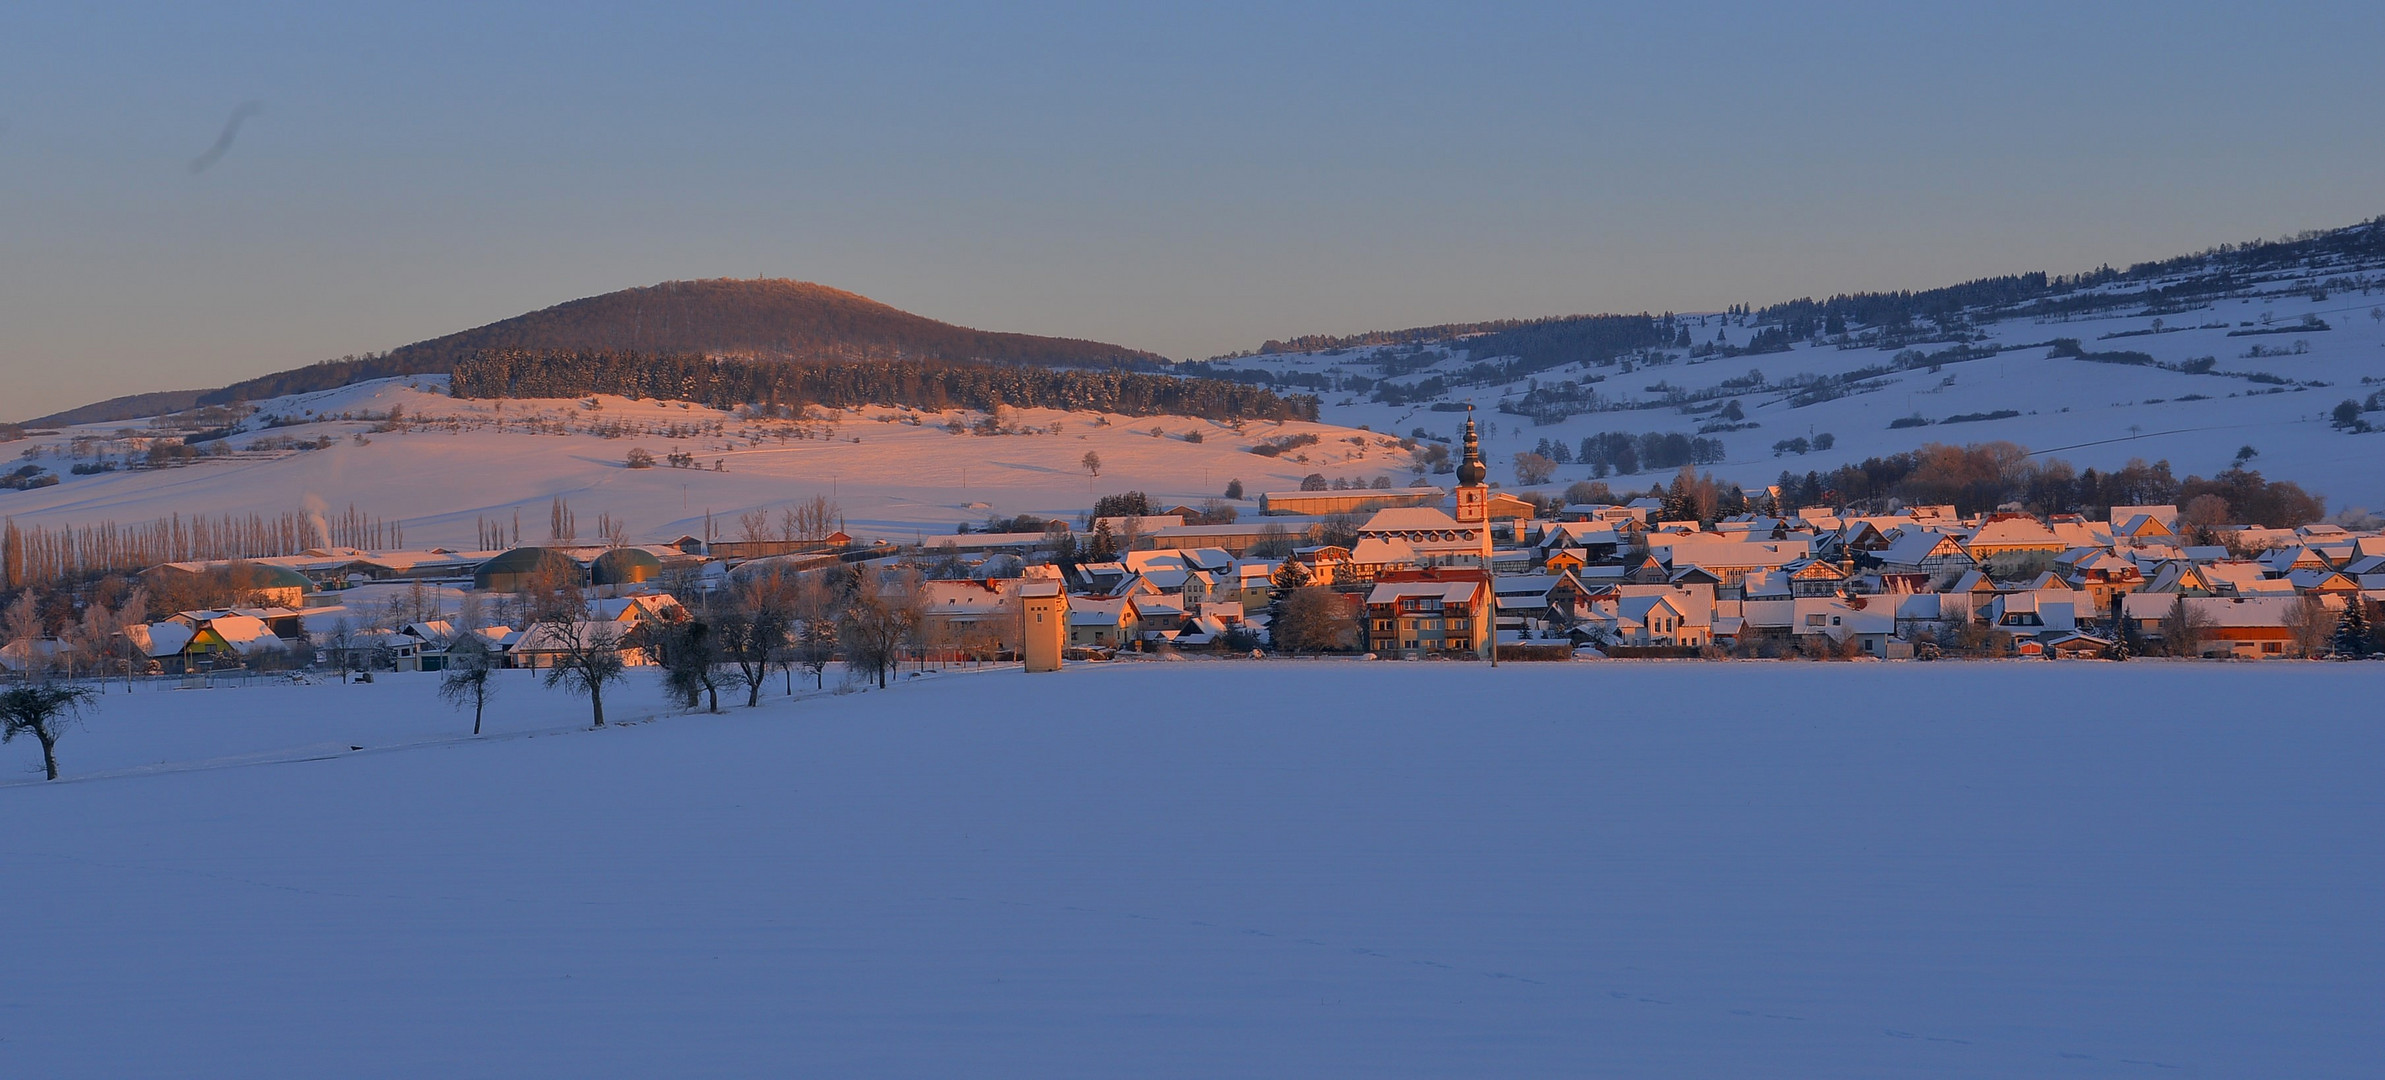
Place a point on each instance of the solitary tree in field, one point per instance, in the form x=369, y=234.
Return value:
x=470, y=662
x=878, y=622
x=585, y=655
x=690, y=653
x=819, y=606
x=42, y=710
x=1092, y=462
x=751, y=639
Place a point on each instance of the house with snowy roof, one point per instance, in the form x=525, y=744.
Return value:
x=1869, y=627
x=1103, y=622
x=1922, y=550
x=2014, y=534
x=2033, y=613
x=2320, y=581
x=543, y=643
x=2163, y=515
x=1435, y=536
x=1728, y=559
x=2245, y=627
x=2100, y=574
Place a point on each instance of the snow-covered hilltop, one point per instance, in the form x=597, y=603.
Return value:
x=2188, y=361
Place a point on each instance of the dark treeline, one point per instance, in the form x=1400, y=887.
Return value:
x=2040, y=293
x=1625, y=453
x=922, y=384
x=1538, y=344
x=1982, y=477
x=1546, y=343
x=1316, y=343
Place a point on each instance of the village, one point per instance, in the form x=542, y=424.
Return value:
x=1384, y=573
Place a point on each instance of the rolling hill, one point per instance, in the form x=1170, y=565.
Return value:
x=766, y=319
x=2242, y=353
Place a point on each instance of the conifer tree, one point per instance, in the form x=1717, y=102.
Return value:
x=1289, y=578
x=2352, y=637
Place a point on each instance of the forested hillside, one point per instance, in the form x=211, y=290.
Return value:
x=918, y=383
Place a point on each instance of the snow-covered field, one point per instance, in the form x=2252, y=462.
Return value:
x=1204, y=869
x=458, y=462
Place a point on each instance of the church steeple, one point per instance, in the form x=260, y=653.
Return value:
x=1470, y=471
x=1474, y=517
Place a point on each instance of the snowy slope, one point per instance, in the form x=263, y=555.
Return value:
x=2091, y=414
x=2023, y=869
x=452, y=463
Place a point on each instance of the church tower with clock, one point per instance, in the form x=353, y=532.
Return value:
x=1474, y=495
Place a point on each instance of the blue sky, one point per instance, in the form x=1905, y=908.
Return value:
x=1190, y=180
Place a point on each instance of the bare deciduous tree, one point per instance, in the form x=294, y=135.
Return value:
x=880, y=618
x=584, y=654
x=751, y=639
x=753, y=526
x=818, y=609
x=467, y=681
x=2312, y=625
x=689, y=651
x=1314, y=618
x=42, y=710
x=2183, y=629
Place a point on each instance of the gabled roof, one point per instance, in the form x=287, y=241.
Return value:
x=2166, y=514
x=160, y=639
x=959, y=598
x=2016, y=532
x=2142, y=525
x=1101, y=611
x=2264, y=612
x=1911, y=544
x=2312, y=578
x=1376, y=551
x=1409, y=519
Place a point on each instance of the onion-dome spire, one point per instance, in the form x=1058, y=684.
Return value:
x=1470, y=470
